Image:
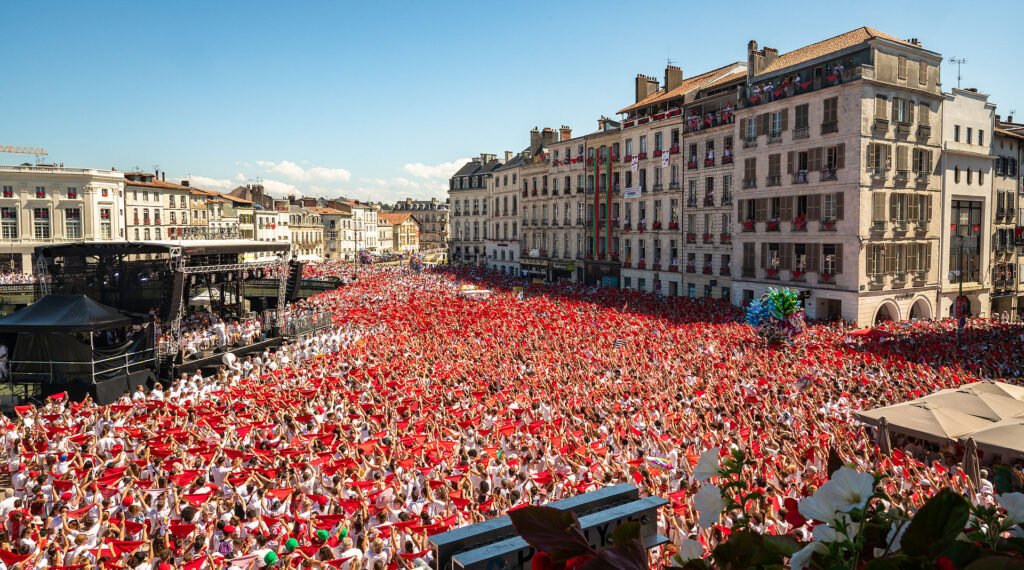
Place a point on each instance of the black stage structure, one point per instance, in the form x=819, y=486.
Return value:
x=148, y=285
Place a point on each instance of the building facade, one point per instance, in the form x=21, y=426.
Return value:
x=1007, y=220
x=965, y=274
x=154, y=208
x=855, y=122
x=434, y=221
x=467, y=191
x=402, y=229
x=45, y=204
x=502, y=244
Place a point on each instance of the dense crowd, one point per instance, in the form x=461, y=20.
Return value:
x=424, y=410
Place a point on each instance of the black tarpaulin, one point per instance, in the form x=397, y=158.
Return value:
x=64, y=313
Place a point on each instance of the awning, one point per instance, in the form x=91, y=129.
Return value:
x=925, y=420
x=64, y=313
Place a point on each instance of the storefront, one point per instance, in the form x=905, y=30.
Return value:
x=562, y=271
x=534, y=269
x=602, y=273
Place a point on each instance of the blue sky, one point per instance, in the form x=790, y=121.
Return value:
x=379, y=100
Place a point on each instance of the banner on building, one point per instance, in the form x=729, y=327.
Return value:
x=664, y=159
x=631, y=192
x=634, y=164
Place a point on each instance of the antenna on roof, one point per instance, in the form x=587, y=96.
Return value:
x=958, y=63
x=668, y=57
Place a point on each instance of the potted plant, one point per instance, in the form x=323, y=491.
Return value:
x=800, y=222
x=748, y=225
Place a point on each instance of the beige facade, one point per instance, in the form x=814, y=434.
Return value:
x=1007, y=221
x=402, y=232
x=307, y=234
x=43, y=204
x=434, y=221
x=968, y=122
x=502, y=244
x=851, y=223
x=469, y=195
x=155, y=209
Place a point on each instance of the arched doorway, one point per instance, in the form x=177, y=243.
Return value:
x=887, y=312
x=921, y=309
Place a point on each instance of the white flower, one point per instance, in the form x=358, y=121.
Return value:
x=689, y=549
x=848, y=489
x=707, y=466
x=709, y=504
x=817, y=507
x=828, y=533
x=802, y=558
x=1014, y=505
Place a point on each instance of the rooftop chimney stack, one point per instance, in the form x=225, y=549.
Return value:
x=645, y=86
x=508, y=156
x=564, y=133
x=673, y=77
x=534, y=140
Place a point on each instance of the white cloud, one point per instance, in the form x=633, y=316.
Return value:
x=443, y=170
x=280, y=189
x=208, y=183
x=293, y=171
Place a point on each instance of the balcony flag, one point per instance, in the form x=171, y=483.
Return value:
x=634, y=164
x=664, y=159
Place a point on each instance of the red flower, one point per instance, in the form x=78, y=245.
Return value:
x=577, y=561
x=541, y=561
x=944, y=563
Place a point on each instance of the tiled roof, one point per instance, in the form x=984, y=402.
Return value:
x=824, y=47
x=394, y=219
x=156, y=184
x=1014, y=132
x=695, y=82
x=326, y=211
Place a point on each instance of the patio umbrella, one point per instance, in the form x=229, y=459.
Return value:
x=882, y=438
x=996, y=388
x=971, y=467
x=925, y=420
x=1005, y=438
x=990, y=406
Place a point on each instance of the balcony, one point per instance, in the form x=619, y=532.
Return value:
x=775, y=137
x=656, y=226
x=749, y=183
x=694, y=123
x=750, y=142
x=727, y=199
x=709, y=238
x=627, y=159
x=656, y=267
x=828, y=174
x=771, y=273
x=801, y=132
x=691, y=267
x=828, y=225
x=881, y=125
x=708, y=270
x=709, y=162
x=657, y=153
x=902, y=176
x=727, y=159
x=691, y=237
x=827, y=278
x=774, y=180
x=642, y=264
x=725, y=238
x=900, y=227
x=554, y=223
x=772, y=225
x=800, y=177
x=674, y=149
x=656, y=188
x=674, y=186
x=579, y=221
x=533, y=192
x=642, y=156
x=829, y=127
x=799, y=224
x=691, y=202
x=641, y=227
x=796, y=275
x=626, y=226
x=724, y=270
x=543, y=222
x=673, y=225
x=627, y=264
x=691, y=164
x=748, y=225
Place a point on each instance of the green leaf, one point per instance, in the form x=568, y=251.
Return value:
x=996, y=563
x=962, y=553
x=781, y=545
x=551, y=530
x=938, y=522
x=629, y=555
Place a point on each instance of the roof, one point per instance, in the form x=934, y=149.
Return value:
x=394, y=219
x=841, y=42
x=695, y=82
x=326, y=211
x=514, y=162
x=1010, y=130
x=236, y=199
x=476, y=167
x=188, y=247
x=156, y=184
x=64, y=313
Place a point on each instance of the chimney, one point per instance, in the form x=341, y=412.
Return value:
x=673, y=77
x=564, y=133
x=645, y=86
x=547, y=136
x=1009, y=118
x=602, y=122
x=508, y=156
x=534, y=140
x=163, y=176
x=185, y=183
x=753, y=59
x=770, y=55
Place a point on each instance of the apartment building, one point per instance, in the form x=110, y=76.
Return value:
x=434, y=221
x=680, y=138
x=359, y=227
x=404, y=231
x=154, y=208
x=965, y=274
x=46, y=204
x=855, y=122
x=502, y=244
x=307, y=233
x=468, y=192
x=1007, y=220
x=332, y=221
x=598, y=175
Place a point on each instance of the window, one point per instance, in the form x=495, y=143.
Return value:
x=41, y=223
x=802, y=118
x=40, y=191
x=965, y=247
x=900, y=110
x=658, y=137
x=970, y=176
x=901, y=67
x=968, y=138
x=775, y=130
x=9, y=223
x=8, y=192
x=981, y=137
x=73, y=223
x=830, y=119
x=72, y=193
x=751, y=135
x=956, y=133
x=643, y=144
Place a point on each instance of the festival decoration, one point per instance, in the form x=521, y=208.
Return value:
x=777, y=315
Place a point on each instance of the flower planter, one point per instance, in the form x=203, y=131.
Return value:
x=748, y=225
x=673, y=225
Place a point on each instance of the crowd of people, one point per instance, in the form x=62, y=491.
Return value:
x=423, y=410
x=17, y=278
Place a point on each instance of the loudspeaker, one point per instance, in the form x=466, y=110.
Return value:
x=173, y=302
x=291, y=292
